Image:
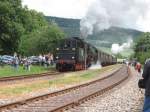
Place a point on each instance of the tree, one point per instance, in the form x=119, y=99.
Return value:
x=40, y=41
x=142, y=47
x=11, y=27
x=25, y=31
x=118, y=55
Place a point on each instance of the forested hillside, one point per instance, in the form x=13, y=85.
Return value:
x=114, y=35
x=70, y=26
x=118, y=35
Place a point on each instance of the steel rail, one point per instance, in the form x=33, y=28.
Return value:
x=58, y=93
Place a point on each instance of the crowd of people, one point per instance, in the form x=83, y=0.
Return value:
x=46, y=60
x=144, y=82
x=42, y=60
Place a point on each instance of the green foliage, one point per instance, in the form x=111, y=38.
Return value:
x=115, y=35
x=25, y=31
x=32, y=20
x=71, y=27
x=119, y=56
x=8, y=71
x=142, y=56
x=142, y=47
x=11, y=27
x=49, y=38
x=41, y=36
x=41, y=41
x=143, y=43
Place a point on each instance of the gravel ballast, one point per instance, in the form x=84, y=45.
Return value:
x=127, y=98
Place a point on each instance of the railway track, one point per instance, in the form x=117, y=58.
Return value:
x=70, y=97
x=23, y=77
x=31, y=77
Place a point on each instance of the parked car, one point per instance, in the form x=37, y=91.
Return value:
x=0, y=58
x=6, y=59
x=1, y=63
x=34, y=60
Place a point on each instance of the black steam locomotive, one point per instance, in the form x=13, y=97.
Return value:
x=76, y=54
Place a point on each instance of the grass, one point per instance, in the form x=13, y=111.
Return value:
x=73, y=78
x=7, y=71
x=22, y=89
x=78, y=78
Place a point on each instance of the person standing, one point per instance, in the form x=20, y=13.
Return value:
x=43, y=60
x=16, y=63
x=46, y=61
x=40, y=59
x=134, y=64
x=146, y=82
x=52, y=59
x=27, y=64
x=138, y=67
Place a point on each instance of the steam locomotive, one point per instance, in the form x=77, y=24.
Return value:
x=76, y=54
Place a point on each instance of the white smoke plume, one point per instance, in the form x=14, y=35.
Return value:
x=116, y=48
x=103, y=14
x=96, y=66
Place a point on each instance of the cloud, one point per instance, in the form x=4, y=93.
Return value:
x=103, y=14
x=116, y=48
x=60, y=8
x=98, y=13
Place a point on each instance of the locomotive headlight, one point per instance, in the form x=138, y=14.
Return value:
x=57, y=57
x=57, y=49
x=73, y=49
x=73, y=57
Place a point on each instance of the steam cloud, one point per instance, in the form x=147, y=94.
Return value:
x=96, y=66
x=103, y=14
x=116, y=48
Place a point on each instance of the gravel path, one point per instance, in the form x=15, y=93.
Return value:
x=126, y=98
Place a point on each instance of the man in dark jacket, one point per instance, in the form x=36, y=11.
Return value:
x=146, y=77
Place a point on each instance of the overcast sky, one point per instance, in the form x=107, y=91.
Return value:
x=60, y=8
x=79, y=9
